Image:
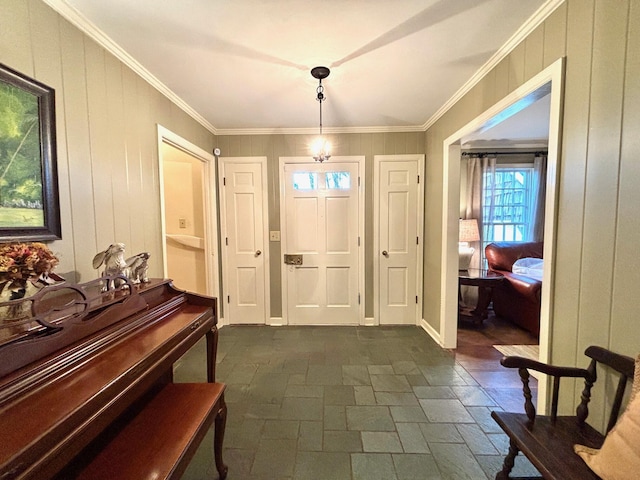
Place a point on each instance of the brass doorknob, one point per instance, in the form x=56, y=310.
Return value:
x=385, y=253
x=258, y=253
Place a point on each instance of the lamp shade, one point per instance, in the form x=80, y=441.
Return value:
x=469, y=231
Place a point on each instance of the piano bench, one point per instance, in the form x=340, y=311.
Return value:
x=160, y=440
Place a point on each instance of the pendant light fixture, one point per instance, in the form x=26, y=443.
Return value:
x=320, y=148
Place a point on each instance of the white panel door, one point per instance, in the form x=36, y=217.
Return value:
x=244, y=242
x=321, y=224
x=398, y=241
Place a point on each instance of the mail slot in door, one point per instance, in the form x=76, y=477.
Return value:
x=292, y=259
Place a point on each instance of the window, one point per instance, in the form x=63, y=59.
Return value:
x=339, y=180
x=507, y=207
x=305, y=181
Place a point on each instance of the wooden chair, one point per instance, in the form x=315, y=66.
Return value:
x=547, y=441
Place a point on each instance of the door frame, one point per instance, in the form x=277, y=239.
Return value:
x=222, y=161
x=212, y=261
x=377, y=159
x=447, y=337
x=360, y=160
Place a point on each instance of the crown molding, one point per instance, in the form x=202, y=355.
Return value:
x=314, y=131
x=529, y=26
x=85, y=25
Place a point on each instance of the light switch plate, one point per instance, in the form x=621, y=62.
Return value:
x=274, y=235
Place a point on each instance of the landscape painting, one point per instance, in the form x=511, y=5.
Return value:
x=29, y=205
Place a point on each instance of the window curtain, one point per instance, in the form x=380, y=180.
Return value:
x=473, y=209
x=536, y=226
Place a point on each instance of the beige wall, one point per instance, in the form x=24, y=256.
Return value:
x=276, y=146
x=597, y=267
x=106, y=132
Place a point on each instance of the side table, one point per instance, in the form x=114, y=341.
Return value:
x=485, y=280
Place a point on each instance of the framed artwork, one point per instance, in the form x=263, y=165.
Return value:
x=29, y=203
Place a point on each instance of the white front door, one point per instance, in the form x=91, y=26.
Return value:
x=397, y=248
x=321, y=223
x=245, y=259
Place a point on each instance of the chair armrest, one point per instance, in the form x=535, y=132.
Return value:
x=526, y=286
x=525, y=364
x=554, y=371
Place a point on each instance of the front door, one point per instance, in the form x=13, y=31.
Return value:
x=320, y=224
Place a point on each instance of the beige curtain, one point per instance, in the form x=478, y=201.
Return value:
x=539, y=193
x=474, y=203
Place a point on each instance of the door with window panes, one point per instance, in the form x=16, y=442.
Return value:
x=321, y=224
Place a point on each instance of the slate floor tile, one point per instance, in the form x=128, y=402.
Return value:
x=416, y=467
x=381, y=442
x=369, y=418
x=445, y=411
x=322, y=466
x=372, y=466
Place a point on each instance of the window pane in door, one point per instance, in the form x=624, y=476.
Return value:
x=338, y=180
x=305, y=181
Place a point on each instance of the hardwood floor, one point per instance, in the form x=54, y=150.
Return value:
x=476, y=354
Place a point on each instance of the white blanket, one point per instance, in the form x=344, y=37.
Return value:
x=530, y=267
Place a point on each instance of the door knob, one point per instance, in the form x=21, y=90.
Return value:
x=258, y=253
x=385, y=253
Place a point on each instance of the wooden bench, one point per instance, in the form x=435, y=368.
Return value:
x=157, y=441
x=547, y=441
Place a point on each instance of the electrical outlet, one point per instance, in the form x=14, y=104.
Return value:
x=274, y=235
x=182, y=223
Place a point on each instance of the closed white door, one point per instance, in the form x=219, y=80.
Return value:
x=398, y=242
x=321, y=225
x=244, y=240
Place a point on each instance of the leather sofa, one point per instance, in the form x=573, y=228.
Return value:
x=517, y=298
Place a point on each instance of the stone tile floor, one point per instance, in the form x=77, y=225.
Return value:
x=355, y=403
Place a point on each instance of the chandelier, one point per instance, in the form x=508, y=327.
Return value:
x=320, y=148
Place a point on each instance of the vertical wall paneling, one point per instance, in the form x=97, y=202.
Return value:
x=45, y=31
x=555, y=28
x=607, y=77
x=99, y=143
x=627, y=274
x=118, y=153
x=16, y=47
x=132, y=147
x=534, y=47
x=78, y=145
x=516, y=67
x=575, y=132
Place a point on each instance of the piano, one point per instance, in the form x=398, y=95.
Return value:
x=86, y=382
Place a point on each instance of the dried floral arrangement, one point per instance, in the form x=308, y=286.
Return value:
x=20, y=262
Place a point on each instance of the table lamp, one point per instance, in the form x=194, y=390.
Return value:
x=468, y=233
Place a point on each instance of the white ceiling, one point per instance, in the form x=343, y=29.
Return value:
x=244, y=64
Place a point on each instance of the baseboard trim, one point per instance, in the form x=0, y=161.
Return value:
x=430, y=331
x=276, y=322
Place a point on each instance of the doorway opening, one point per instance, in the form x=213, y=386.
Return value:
x=188, y=214
x=551, y=78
